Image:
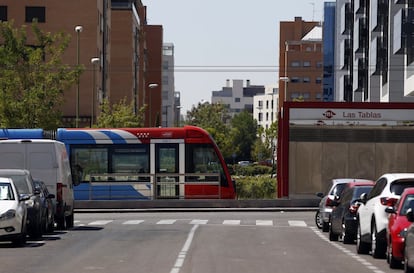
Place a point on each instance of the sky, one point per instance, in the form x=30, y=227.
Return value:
x=216, y=40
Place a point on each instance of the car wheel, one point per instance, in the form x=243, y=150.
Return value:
x=346, y=237
x=362, y=247
x=407, y=267
x=36, y=229
x=318, y=219
x=70, y=221
x=21, y=239
x=332, y=235
x=325, y=226
x=394, y=263
x=377, y=248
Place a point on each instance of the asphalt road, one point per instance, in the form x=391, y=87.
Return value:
x=184, y=242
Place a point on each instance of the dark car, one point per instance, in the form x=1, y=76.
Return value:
x=25, y=186
x=47, y=205
x=343, y=221
x=336, y=187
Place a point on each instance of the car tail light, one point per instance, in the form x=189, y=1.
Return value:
x=59, y=189
x=388, y=201
x=329, y=202
x=353, y=208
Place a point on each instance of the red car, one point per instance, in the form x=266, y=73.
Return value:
x=397, y=227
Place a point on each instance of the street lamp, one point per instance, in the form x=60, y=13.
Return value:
x=94, y=62
x=285, y=80
x=151, y=86
x=78, y=30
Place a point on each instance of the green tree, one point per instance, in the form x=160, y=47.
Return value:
x=212, y=118
x=243, y=134
x=120, y=115
x=33, y=77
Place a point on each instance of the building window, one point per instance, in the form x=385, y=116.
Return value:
x=3, y=13
x=260, y=117
x=319, y=64
x=236, y=99
x=35, y=13
x=306, y=80
x=306, y=64
x=294, y=79
x=318, y=80
x=295, y=64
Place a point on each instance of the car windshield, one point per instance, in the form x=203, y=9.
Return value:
x=21, y=183
x=338, y=189
x=6, y=192
x=360, y=190
x=408, y=203
x=398, y=186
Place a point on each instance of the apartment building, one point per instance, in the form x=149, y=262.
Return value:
x=300, y=61
x=121, y=54
x=237, y=97
x=171, y=103
x=374, y=53
x=265, y=106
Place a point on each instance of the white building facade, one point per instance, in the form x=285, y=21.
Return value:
x=266, y=107
x=374, y=54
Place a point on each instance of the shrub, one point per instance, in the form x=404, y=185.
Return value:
x=256, y=187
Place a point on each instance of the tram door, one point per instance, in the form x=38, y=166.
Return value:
x=168, y=168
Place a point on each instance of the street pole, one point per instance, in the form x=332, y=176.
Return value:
x=78, y=30
x=94, y=62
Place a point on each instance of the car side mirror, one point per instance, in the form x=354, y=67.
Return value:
x=363, y=198
x=24, y=197
x=410, y=215
x=319, y=194
x=390, y=210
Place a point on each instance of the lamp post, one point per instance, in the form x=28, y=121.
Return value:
x=151, y=86
x=78, y=30
x=94, y=62
x=285, y=80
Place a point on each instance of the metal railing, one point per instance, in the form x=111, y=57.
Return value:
x=139, y=186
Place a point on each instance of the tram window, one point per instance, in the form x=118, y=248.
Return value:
x=91, y=161
x=168, y=160
x=130, y=160
x=202, y=158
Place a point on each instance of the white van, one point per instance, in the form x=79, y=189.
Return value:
x=48, y=161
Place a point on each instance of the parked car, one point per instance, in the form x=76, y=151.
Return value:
x=25, y=185
x=343, y=223
x=47, y=205
x=13, y=213
x=372, y=218
x=397, y=226
x=408, y=251
x=336, y=186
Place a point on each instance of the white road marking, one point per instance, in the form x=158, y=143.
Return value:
x=231, y=222
x=198, y=222
x=166, y=222
x=364, y=262
x=297, y=223
x=133, y=222
x=100, y=223
x=183, y=253
x=264, y=222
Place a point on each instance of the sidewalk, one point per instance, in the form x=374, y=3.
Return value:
x=197, y=205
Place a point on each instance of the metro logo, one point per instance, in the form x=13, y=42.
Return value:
x=329, y=114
